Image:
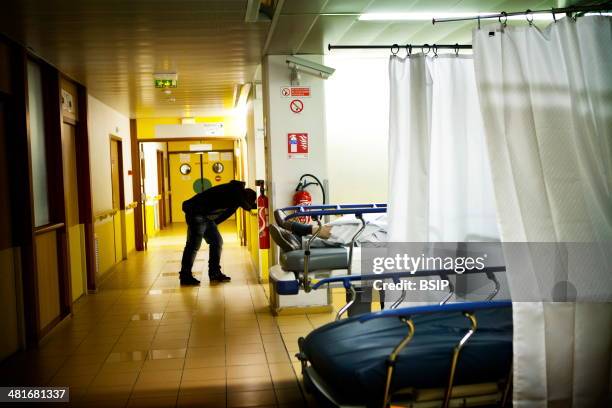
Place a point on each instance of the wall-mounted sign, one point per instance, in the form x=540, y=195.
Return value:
x=208, y=129
x=213, y=128
x=295, y=91
x=165, y=83
x=296, y=106
x=67, y=104
x=200, y=147
x=297, y=145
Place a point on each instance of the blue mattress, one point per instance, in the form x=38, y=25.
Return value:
x=350, y=355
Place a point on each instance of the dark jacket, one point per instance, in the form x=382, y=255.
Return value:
x=218, y=203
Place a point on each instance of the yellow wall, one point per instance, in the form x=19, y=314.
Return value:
x=130, y=237
x=233, y=126
x=105, y=234
x=77, y=263
x=150, y=219
x=259, y=257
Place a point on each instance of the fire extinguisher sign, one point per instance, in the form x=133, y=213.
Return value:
x=297, y=145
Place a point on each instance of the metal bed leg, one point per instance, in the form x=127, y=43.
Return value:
x=400, y=299
x=306, y=280
x=352, y=245
x=491, y=277
x=456, y=351
x=300, y=355
x=393, y=358
x=451, y=290
x=353, y=296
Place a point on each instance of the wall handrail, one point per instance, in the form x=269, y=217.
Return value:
x=105, y=214
x=48, y=228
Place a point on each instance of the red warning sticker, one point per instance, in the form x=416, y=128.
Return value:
x=295, y=91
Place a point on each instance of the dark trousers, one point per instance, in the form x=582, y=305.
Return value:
x=199, y=227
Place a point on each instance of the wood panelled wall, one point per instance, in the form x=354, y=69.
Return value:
x=44, y=269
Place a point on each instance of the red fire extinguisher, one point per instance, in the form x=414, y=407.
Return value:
x=302, y=197
x=262, y=217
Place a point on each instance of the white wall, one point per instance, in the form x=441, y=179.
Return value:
x=357, y=113
x=255, y=137
x=103, y=121
x=282, y=171
x=150, y=156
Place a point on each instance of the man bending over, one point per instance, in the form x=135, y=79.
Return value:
x=203, y=212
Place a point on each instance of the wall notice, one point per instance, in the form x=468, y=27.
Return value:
x=297, y=145
x=295, y=91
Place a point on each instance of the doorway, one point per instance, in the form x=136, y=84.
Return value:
x=161, y=188
x=118, y=197
x=193, y=172
x=9, y=309
x=74, y=229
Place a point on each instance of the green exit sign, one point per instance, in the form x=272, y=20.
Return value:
x=165, y=83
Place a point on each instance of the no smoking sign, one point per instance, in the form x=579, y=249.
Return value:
x=296, y=106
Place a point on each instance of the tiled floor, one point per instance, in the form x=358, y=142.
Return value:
x=143, y=341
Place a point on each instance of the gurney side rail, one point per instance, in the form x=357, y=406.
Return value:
x=405, y=314
x=318, y=211
x=449, y=307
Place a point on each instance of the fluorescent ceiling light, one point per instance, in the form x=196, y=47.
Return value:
x=428, y=16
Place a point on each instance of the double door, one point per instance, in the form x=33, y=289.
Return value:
x=194, y=172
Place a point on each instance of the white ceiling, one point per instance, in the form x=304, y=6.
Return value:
x=307, y=27
x=115, y=46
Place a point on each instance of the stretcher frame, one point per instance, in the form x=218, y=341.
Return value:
x=468, y=309
x=316, y=212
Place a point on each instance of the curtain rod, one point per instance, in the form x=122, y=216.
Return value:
x=563, y=10
x=397, y=46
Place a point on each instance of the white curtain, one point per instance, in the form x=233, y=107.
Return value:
x=440, y=187
x=547, y=108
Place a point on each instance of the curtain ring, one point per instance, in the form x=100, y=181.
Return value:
x=554, y=16
x=428, y=48
x=394, y=49
x=529, y=17
x=435, y=50
x=408, y=50
x=505, y=16
x=456, y=49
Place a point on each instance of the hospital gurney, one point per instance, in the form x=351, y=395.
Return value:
x=299, y=268
x=455, y=354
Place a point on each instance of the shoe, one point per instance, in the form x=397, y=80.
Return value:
x=219, y=277
x=189, y=281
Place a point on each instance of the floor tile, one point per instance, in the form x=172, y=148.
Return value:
x=143, y=341
x=251, y=398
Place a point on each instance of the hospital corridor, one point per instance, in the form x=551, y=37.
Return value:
x=306, y=203
x=144, y=341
